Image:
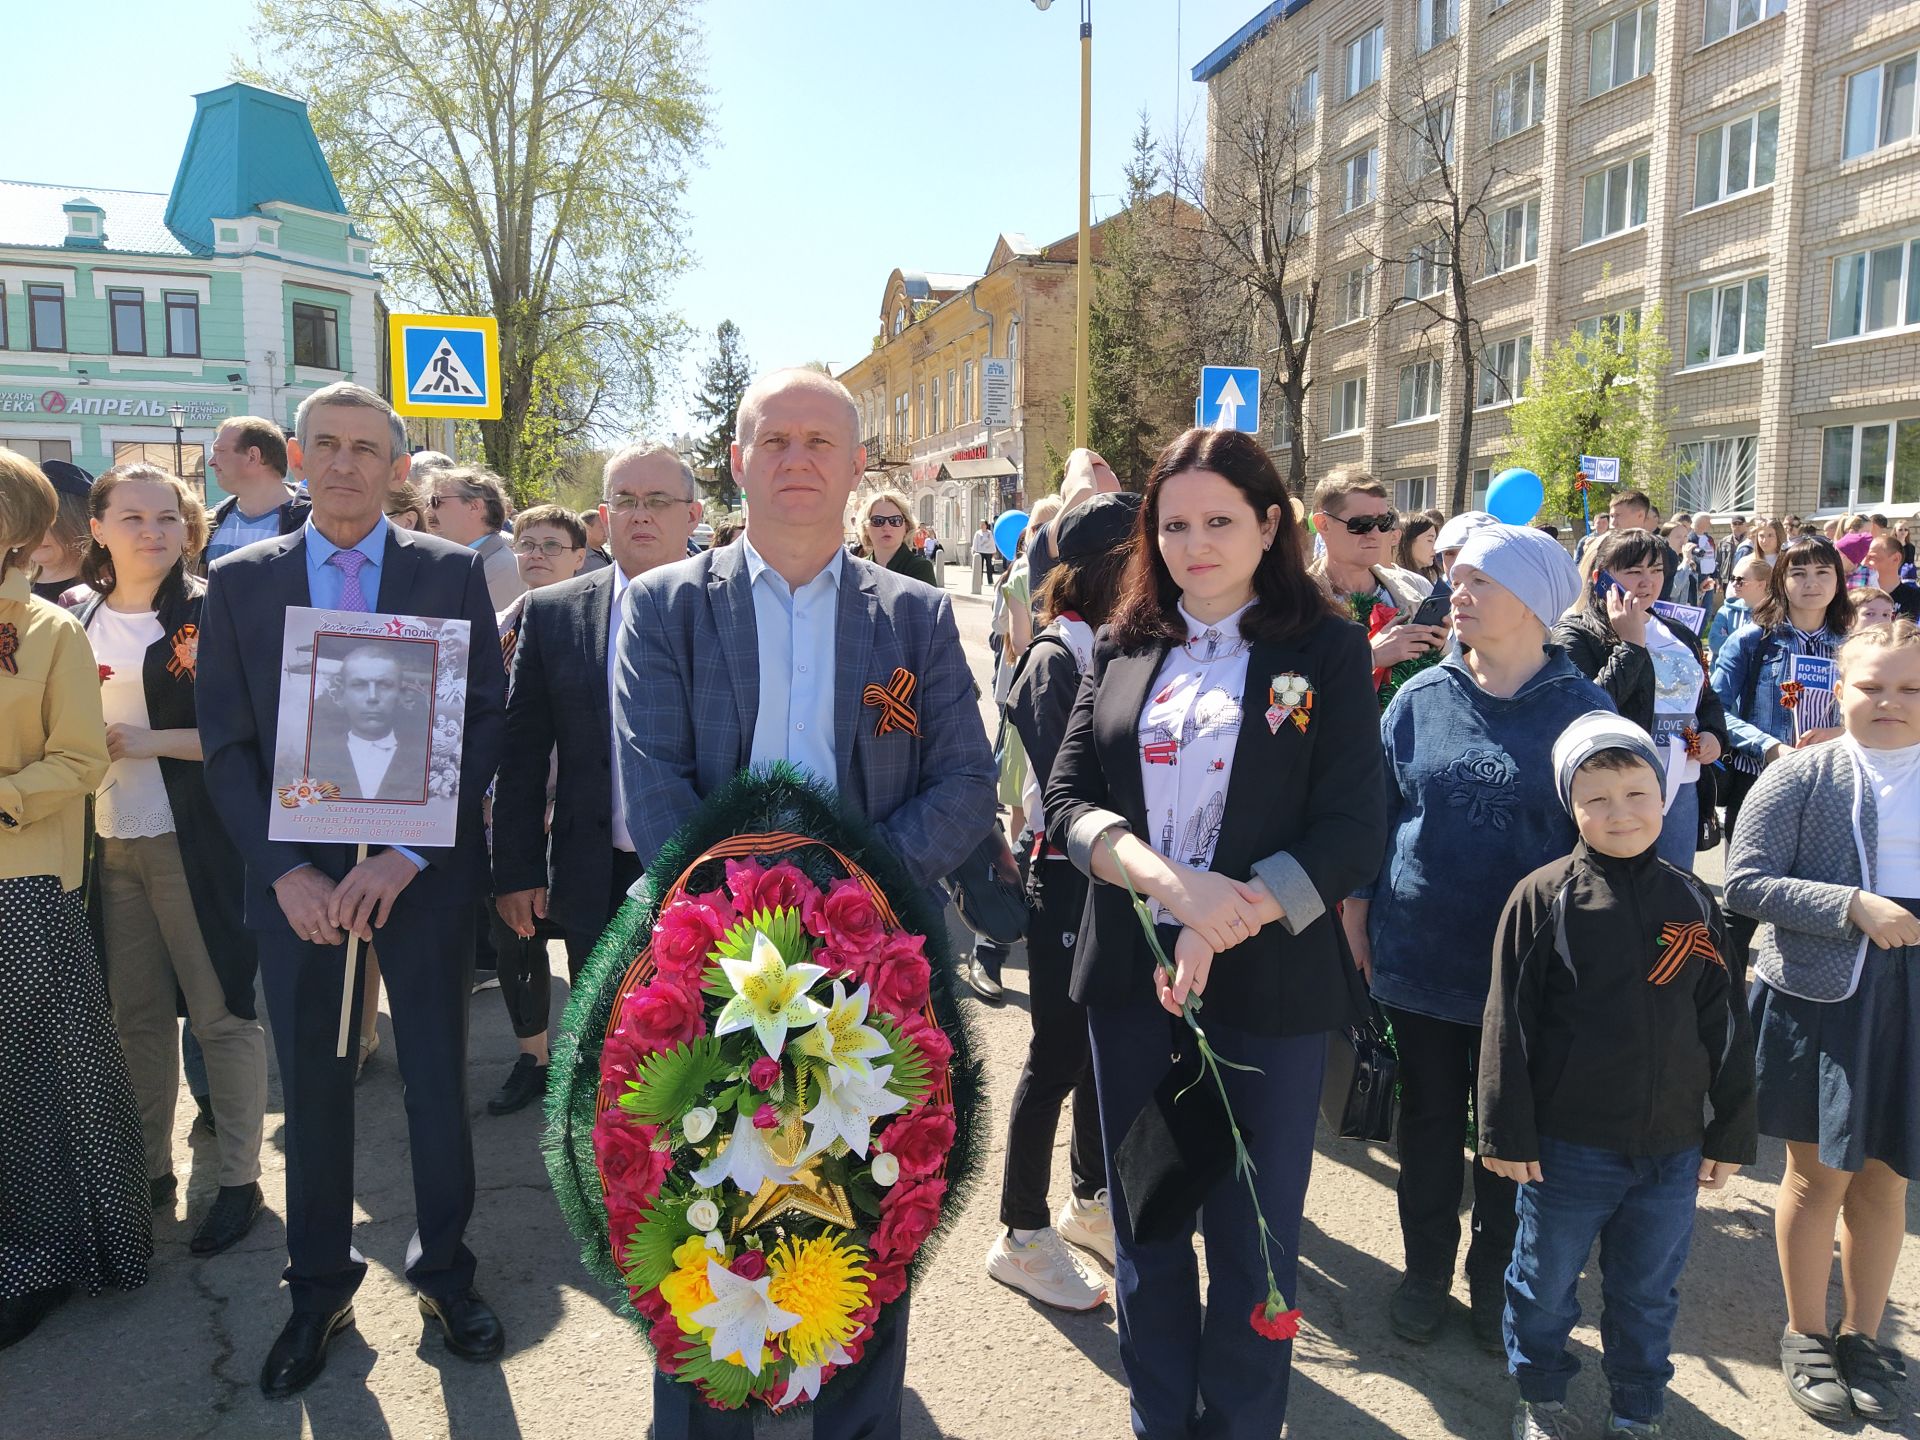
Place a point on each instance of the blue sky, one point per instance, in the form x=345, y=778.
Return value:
x=850, y=136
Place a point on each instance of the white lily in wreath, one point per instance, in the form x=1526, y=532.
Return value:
x=841, y=1036
x=742, y=1316
x=848, y=1107
x=747, y=1160
x=769, y=995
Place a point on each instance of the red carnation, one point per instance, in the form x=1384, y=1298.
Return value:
x=1275, y=1325
x=907, y=1217
x=631, y=1165
x=665, y=1014
x=766, y=1118
x=748, y=1264
x=920, y=1141
x=683, y=937
x=847, y=918
x=764, y=1073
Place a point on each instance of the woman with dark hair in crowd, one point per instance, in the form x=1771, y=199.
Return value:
x=1092, y=546
x=1472, y=809
x=405, y=508
x=1414, y=550
x=1654, y=671
x=73, y=1191
x=56, y=560
x=1221, y=758
x=170, y=879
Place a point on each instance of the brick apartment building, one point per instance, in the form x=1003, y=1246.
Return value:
x=1751, y=166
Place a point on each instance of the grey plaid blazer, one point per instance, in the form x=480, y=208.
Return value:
x=688, y=689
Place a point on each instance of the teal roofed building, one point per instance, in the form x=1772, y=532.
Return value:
x=240, y=291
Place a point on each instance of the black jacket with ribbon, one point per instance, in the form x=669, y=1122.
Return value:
x=215, y=875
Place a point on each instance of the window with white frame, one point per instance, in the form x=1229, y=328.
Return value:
x=1520, y=99
x=1727, y=321
x=1482, y=481
x=1875, y=290
x=1513, y=235
x=920, y=405
x=1613, y=326
x=953, y=398
x=1427, y=269
x=1303, y=100
x=966, y=393
x=1504, y=367
x=1616, y=199
x=1880, y=105
x=1717, y=475
x=1347, y=406
x=1736, y=157
x=1282, y=425
x=1435, y=21
x=1433, y=139
x=1353, y=296
x=1297, y=313
x=1413, y=492
x=1419, y=390
x=1621, y=50
x=1300, y=211
x=1363, y=61
x=1867, y=465
x=1356, y=184
x=1727, y=17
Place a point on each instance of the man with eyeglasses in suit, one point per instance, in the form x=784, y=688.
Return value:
x=560, y=697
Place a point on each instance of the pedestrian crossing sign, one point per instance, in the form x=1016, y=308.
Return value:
x=445, y=367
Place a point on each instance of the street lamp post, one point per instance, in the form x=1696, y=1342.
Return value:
x=1083, y=357
x=177, y=416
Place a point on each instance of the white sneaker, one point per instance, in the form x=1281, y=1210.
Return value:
x=1045, y=1269
x=1088, y=1224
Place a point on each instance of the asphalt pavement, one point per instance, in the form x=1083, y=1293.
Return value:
x=180, y=1357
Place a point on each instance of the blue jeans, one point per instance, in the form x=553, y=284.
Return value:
x=1640, y=1208
x=1680, y=831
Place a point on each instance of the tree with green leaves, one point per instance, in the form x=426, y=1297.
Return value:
x=1597, y=393
x=523, y=159
x=723, y=381
x=1140, y=392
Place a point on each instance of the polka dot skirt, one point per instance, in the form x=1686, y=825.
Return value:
x=73, y=1175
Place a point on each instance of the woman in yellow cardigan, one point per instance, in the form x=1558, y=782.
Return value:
x=74, y=1207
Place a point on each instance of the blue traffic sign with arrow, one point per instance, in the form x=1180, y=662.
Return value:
x=1230, y=397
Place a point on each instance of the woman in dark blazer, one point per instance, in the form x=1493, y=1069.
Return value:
x=883, y=537
x=1224, y=751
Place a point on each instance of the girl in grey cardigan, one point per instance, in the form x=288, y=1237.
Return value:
x=1826, y=855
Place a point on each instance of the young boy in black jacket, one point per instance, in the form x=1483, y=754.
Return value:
x=1611, y=1028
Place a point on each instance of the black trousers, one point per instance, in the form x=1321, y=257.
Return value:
x=1059, y=1060
x=526, y=977
x=1439, y=1070
x=580, y=941
x=426, y=963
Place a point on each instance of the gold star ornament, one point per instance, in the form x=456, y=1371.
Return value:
x=806, y=1194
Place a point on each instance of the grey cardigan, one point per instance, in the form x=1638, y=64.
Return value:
x=1805, y=843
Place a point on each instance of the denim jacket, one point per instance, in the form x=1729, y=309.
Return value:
x=1754, y=661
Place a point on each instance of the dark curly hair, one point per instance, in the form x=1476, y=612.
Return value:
x=1288, y=603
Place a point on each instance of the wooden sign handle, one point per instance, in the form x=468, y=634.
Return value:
x=352, y=981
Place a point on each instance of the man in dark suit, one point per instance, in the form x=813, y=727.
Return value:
x=560, y=701
x=362, y=744
x=304, y=899
x=764, y=651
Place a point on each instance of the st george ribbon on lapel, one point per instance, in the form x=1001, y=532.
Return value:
x=892, y=700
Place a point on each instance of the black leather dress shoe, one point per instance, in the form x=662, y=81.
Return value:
x=472, y=1331
x=231, y=1216
x=20, y=1316
x=526, y=1083
x=300, y=1354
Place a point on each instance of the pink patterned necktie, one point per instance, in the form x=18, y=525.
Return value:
x=348, y=562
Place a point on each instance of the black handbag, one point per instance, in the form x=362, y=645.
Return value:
x=1361, y=1089
x=988, y=892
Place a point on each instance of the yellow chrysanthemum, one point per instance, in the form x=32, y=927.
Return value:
x=687, y=1289
x=823, y=1282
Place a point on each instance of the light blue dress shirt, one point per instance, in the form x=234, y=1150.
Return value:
x=326, y=580
x=796, y=634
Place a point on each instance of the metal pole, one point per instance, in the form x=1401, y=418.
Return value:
x=1083, y=360
x=178, y=456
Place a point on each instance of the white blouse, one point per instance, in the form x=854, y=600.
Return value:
x=1188, y=730
x=1894, y=778
x=132, y=800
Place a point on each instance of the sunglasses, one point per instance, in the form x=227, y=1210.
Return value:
x=434, y=502
x=895, y=521
x=1366, y=524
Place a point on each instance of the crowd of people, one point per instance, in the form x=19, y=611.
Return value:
x=1346, y=758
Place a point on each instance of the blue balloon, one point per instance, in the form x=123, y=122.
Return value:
x=1515, y=497
x=1007, y=531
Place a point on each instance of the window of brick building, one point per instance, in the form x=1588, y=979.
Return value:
x=1728, y=17
x=1347, y=406
x=1419, y=390
x=1736, y=157
x=1875, y=290
x=1726, y=322
x=1865, y=465
x=1616, y=199
x=1621, y=51
x=1880, y=105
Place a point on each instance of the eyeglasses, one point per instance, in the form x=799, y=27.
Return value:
x=656, y=501
x=552, y=549
x=896, y=521
x=1366, y=524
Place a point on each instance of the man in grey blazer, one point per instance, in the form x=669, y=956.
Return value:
x=765, y=650
x=468, y=505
